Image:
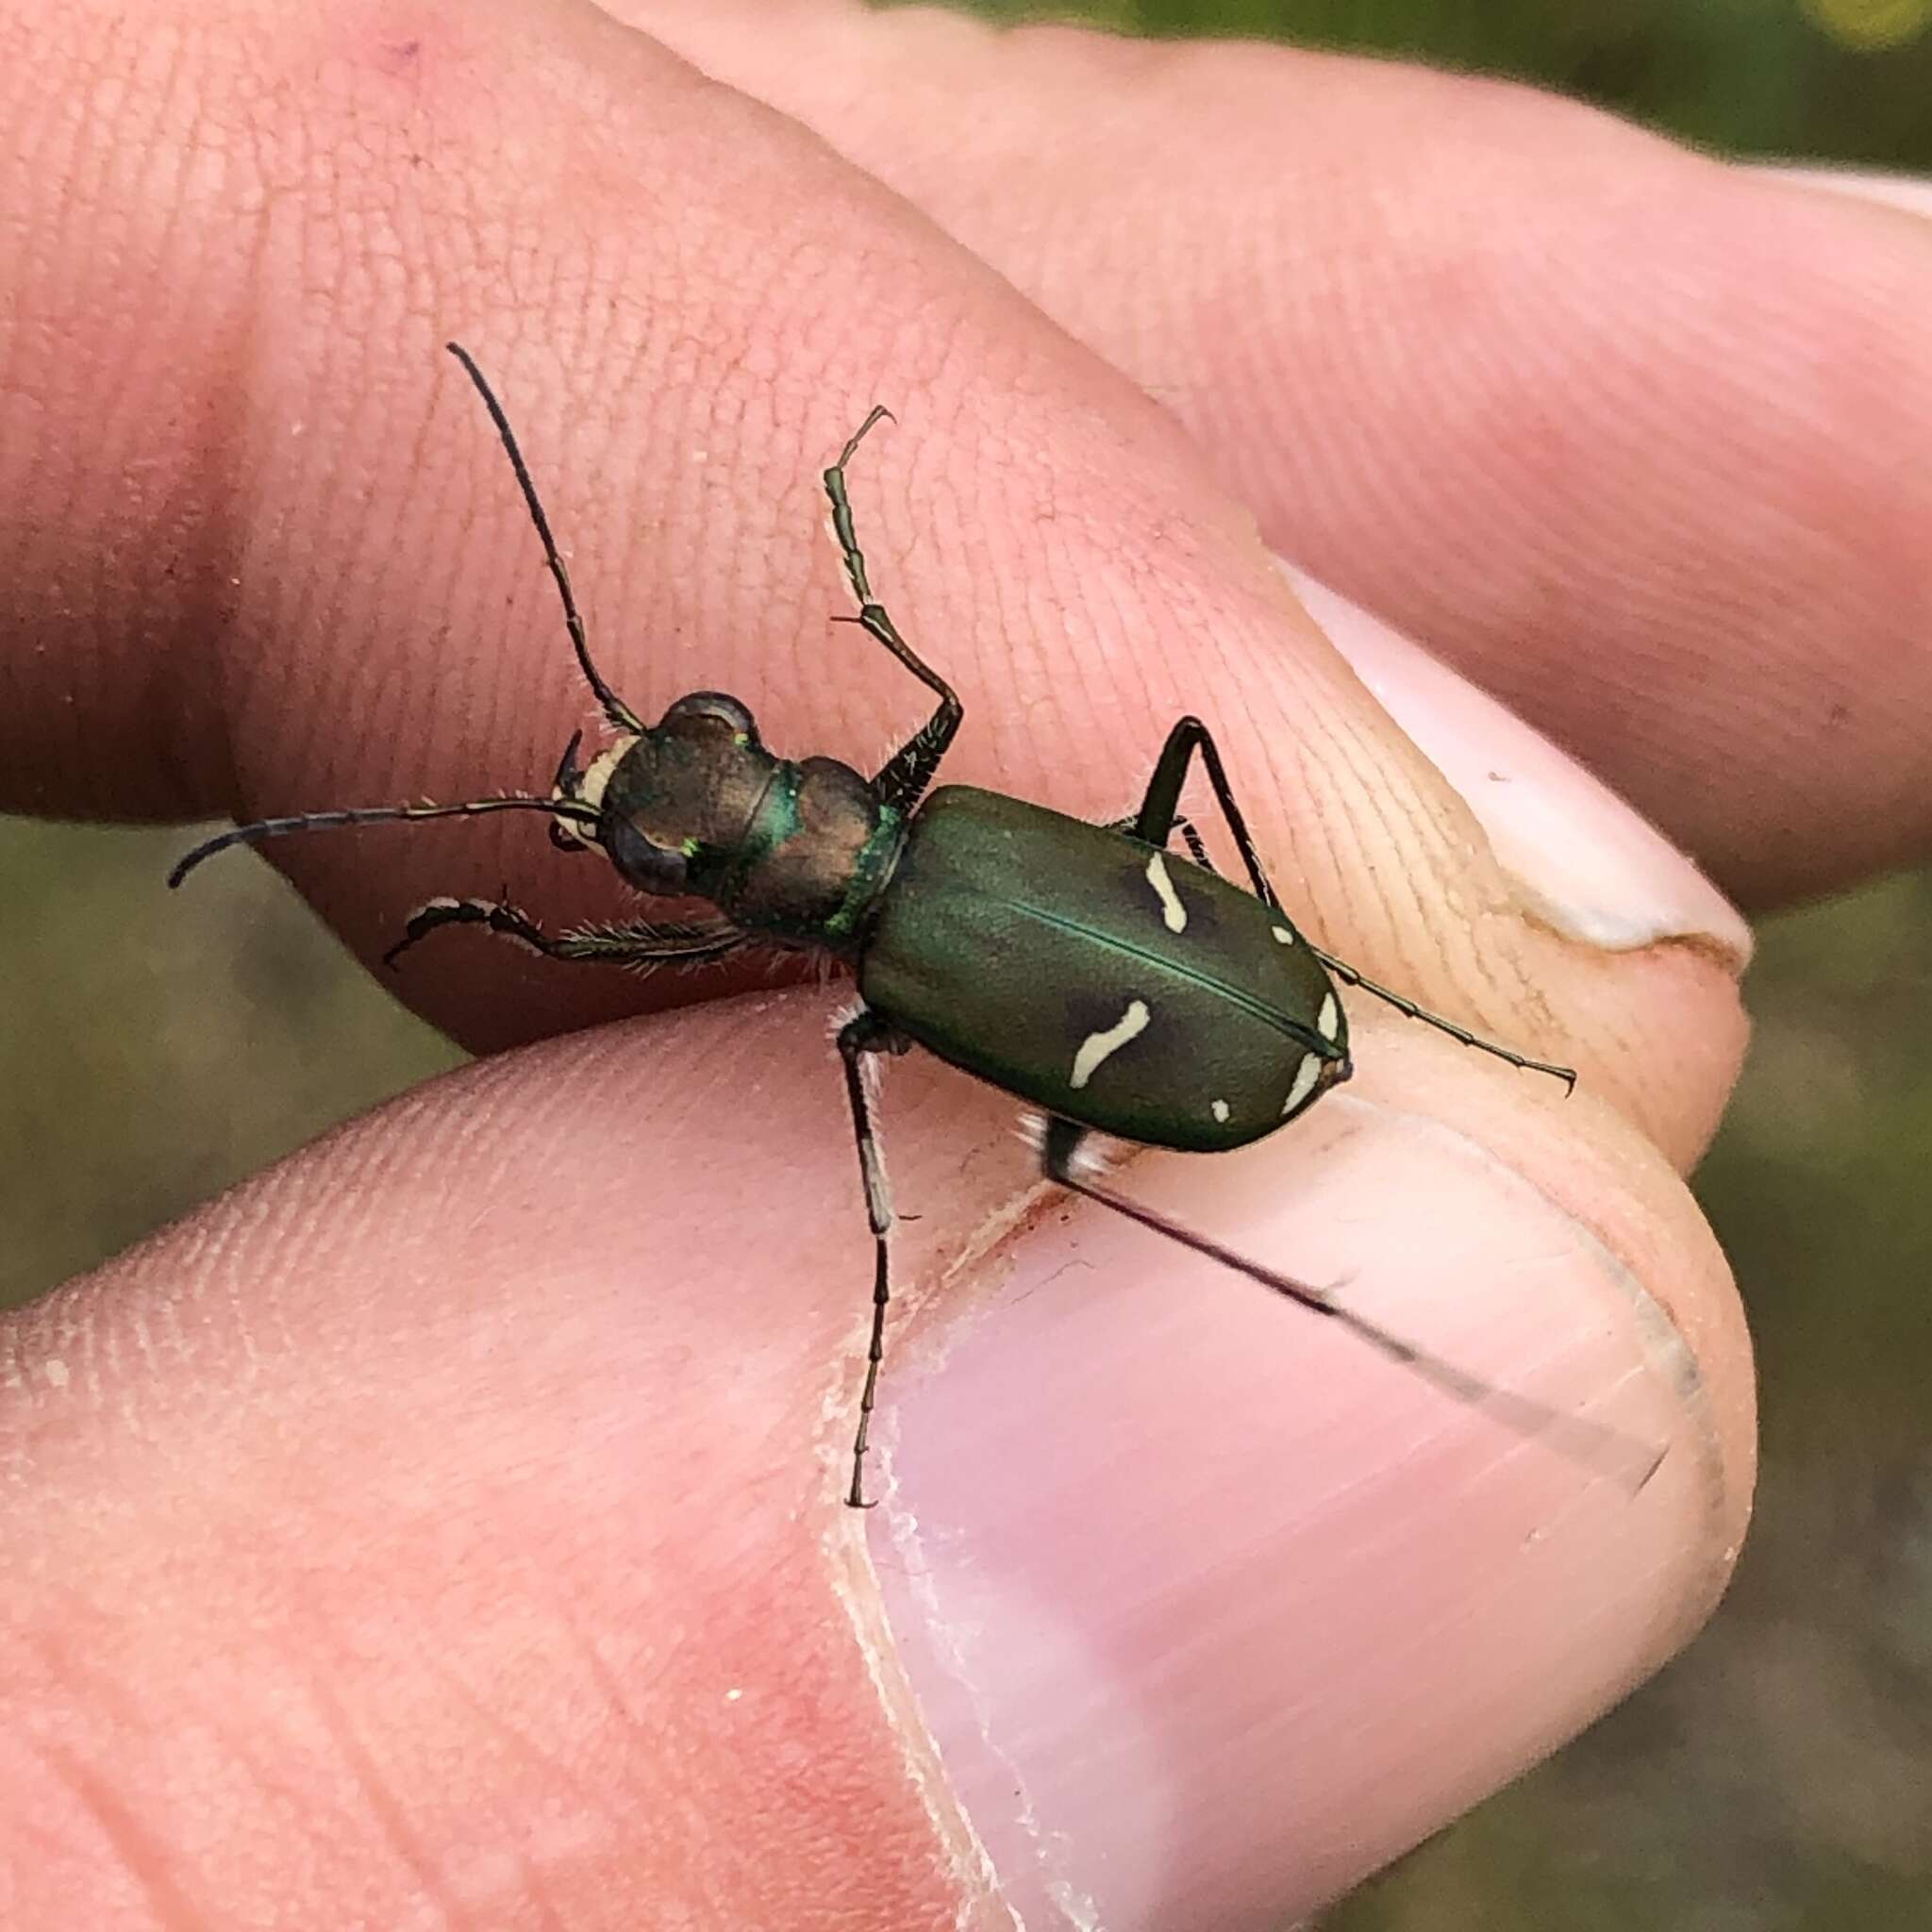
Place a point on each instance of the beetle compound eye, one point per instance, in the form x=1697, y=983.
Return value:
x=654, y=868
x=719, y=704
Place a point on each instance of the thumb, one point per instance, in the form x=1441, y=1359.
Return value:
x=451, y=1515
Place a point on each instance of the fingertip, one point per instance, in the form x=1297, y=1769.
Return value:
x=1169, y=1560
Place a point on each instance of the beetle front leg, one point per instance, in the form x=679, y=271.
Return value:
x=865, y=1033
x=1190, y=838
x=640, y=945
x=1591, y=1445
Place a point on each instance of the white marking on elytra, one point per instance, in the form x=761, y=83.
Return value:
x=1304, y=1077
x=1283, y=937
x=1171, y=911
x=1328, y=1018
x=1097, y=1046
x=1219, y=1108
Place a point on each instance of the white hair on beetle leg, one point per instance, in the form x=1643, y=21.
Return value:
x=871, y=1072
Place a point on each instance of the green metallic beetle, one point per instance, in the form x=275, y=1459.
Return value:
x=1162, y=1003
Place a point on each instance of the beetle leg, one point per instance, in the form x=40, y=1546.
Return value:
x=901, y=780
x=636, y=945
x=868, y=1032
x=1349, y=976
x=1190, y=838
x=1595, y=1445
x=1158, y=819
x=1159, y=816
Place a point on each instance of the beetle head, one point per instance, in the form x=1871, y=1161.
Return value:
x=671, y=797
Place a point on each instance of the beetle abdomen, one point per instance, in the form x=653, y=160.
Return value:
x=1099, y=979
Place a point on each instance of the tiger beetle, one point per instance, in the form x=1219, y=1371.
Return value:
x=1087, y=969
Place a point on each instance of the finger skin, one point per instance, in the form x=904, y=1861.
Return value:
x=450, y=1517
x=270, y=557
x=306, y=545
x=423, y=1526
x=1637, y=440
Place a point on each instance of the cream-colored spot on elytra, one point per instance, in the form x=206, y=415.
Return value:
x=56, y=1371
x=1304, y=1077
x=1219, y=1109
x=1171, y=911
x=1283, y=937
x=1328, y=1018
x=1097, y=1046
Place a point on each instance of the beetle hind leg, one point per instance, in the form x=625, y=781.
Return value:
x=1591, y=1444
x=1190, y=838
x=1159, y=819
x=1349, y=976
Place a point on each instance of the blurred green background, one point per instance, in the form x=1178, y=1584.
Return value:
x=1780, y=1774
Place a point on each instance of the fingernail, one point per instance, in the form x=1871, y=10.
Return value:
x=1588, y=865
x=1210, y=1609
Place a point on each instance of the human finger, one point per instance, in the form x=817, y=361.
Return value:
x=1637, y=440
x=298, y=551
x=431, y=1525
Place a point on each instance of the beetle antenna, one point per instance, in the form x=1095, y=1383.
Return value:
x=370, y=815
x=620, y=714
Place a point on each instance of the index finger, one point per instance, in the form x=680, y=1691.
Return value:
x=1636, y=438
x=306, y=581
x=1087, y=584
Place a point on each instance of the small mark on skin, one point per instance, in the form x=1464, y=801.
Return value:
x=1283, y=937
x=1304, y=1077
x=1097, y=1046
x=1328, y=1018
x=1171, y=911
x=1219, y=1109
